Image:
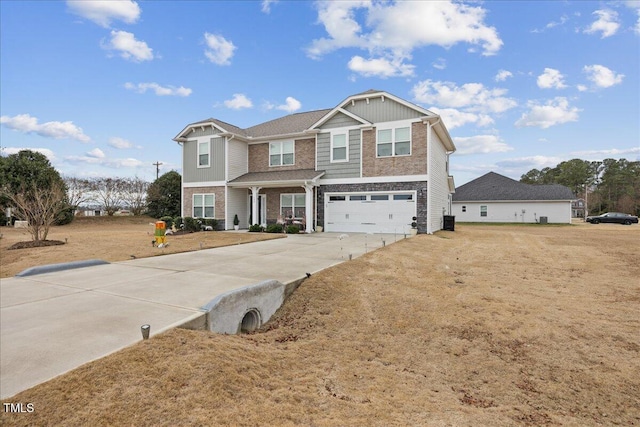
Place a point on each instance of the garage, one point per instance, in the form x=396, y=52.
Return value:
x=379, y=212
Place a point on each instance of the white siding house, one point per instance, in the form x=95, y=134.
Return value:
x=496, y=198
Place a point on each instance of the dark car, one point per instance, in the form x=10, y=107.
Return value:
x=613, y=218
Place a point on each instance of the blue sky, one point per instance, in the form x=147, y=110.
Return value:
x=102, y=87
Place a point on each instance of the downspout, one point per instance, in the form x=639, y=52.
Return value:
x=226, y=182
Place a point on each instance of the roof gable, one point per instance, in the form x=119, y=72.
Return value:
x=493, y=186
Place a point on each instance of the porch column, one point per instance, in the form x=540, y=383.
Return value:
x=254, y=204
x=308, y=207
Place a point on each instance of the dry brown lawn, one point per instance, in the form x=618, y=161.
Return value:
x=109, y=239
x=485, y=326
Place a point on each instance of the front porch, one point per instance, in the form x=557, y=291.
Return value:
x=286, y=197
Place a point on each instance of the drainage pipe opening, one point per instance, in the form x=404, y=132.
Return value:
x=251, y=321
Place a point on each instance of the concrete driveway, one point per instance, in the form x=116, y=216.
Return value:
x=54, y=322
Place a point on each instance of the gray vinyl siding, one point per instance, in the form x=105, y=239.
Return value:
x=340, y=120
x=377, y=111
x=216, y=169
x=350, y=169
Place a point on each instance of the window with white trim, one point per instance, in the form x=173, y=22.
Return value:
x=483, y=211
x=339, y=148
x=281, y=153
x=204, y=149
x=292, y=205
x=394, y=142
x=204, y=205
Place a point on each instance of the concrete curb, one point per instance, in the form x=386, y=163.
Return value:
x=50, y=268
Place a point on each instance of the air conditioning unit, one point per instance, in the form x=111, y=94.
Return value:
x=544, y=220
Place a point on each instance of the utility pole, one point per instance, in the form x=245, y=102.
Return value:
x=157, y=165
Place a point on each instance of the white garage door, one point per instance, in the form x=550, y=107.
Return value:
x=369, y=212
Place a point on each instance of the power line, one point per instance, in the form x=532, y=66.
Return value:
x=157, y=165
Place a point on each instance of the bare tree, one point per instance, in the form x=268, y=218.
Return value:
x=134, y=194
x=108, y=193
x=39, y=207
x=78, y=191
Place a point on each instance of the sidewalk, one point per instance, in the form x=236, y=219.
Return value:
x=52, y=323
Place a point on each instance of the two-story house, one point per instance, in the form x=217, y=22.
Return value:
x=371, y=164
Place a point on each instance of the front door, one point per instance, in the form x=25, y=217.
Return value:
x=262, y=209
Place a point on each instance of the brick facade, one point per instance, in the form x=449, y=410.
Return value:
x=304, y=156
x=419, y=187
x=219, y=208
x=415, y=164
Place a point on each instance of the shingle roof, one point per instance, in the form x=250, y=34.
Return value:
x=493, y=186
x=293, y=123
x=279, y=175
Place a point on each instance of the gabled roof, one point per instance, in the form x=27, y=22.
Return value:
x=493, y=186
x=308, y=122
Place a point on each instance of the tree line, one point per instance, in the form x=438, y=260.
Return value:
x=608, y=186
x=37, y=193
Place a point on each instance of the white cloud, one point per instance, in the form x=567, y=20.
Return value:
x=480, y=144
x=291, y=105
x=472, y=96
x=531, y=162
x=219, y=50
x=58, y=130
x=392, y=30
x=601, y=76
x=129, y=48
x=551, y=79
x=6, y=151
x=439, y=64
x=607, y=23
x=266, y=5
x=380, y=67
x=634, y=4
x=552, y=24
x=238, y=102
x=503, y=75
x=556, y=111
x=454, y=118
x=607, y=153
x=103, y=12
x=159, y=90
x=96, y=153
x=98, y=158
x=582, y=88
x=119, y=143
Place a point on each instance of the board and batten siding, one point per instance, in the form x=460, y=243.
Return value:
x=438, y=190
x=350, y=169
x=377, y=111
x=237, y=205
x=203, y=131
x=340, y=120
x=216, y=169
x=237, y=159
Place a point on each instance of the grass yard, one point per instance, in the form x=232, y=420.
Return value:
x=484, y=326
x=109, y=239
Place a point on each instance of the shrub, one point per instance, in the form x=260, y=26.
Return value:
x=213, y=223
x=191, y=224
x=256, y=228
x=178, y=221
x=65, y=216
x=168, y=220
x=293, y=229
x=274, y=228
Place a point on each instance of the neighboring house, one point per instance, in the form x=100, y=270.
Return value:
x=371, y=164
x=578, y=208
x=496, y=198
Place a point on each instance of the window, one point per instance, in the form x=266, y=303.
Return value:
x=403, y=197
x=281, y=153
x=464, y=209
x=203, y=154
x=337, y=198
x=339, y=148
x=357, y=198
x=203, y=206
x=394, y=142
x=292, y=205
x=379, y=197
x=483, y=211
